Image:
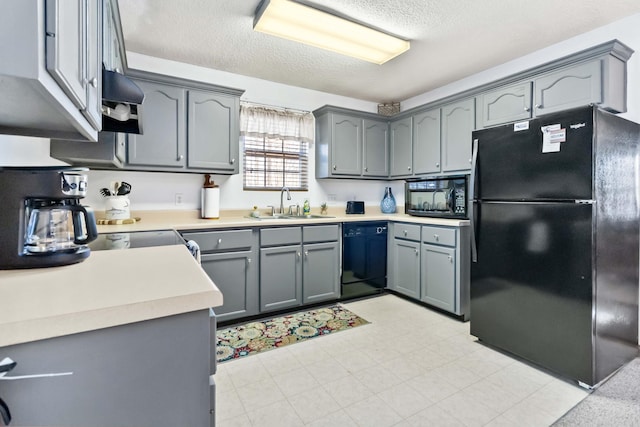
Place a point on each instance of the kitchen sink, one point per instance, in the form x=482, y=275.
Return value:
x=279, y=216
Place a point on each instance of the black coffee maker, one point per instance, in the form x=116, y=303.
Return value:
x=42, y=223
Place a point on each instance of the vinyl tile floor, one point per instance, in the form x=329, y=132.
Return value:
x=410, y=366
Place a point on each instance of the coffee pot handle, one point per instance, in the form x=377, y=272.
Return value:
x=90, y=222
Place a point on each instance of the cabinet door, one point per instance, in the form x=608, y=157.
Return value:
x=505, y=105
x=93, y=82
x=426, y=142
x=163, y=116
x=400, y=146
x=236, y=275
x=458, y=121
x=280, y=277
x=212, y=131
x=574, y=87
x=320, y=272
x=406, y=268
x=346, y=145
x=66, y=27
x=376, y=148
x=438, y=276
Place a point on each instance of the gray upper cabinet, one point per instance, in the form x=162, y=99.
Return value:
x=351, y=144
x=113, y=52
x=458, y=121
x=50, y=68
x=188, y=126
x=375, y=147
x=346, y=150
x=569, y=88
x=213, y=131
x=426, y=142
x=401, y=147
x=503, y=105
x=164, y=142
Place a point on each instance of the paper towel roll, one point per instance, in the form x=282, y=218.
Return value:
x=210, y=203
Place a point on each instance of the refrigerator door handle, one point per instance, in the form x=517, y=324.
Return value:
x=472, y=193
x=472, y=229
x=474, y=164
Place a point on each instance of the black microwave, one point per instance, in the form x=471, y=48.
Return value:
x=440, y=197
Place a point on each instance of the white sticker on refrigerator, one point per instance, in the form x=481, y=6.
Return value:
x=552, y=136
x=520, y=126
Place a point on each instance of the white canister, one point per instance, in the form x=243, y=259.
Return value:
x=210, y=202
x=117, y=207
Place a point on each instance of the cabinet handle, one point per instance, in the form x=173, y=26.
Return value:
x=306, y=254
x=450, y=259
x=180, y=157
x=366, y=169
x=298, y=253
x=470, y=161
x=233, y=161
x=334, y=167
x=248, y=260
x=219, y=241
x=417, y=252
x=408, y=168
x=405, y=232
x=538, y=105
x=527, y=108
x=94, y=82
x=436, y=237
x=437, y=165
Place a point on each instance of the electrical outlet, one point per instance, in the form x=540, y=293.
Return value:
x=178, y=199
x=332, y=197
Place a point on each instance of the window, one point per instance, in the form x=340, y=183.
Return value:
x=276, y=147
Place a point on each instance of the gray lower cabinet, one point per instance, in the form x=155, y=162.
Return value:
x=149, y=374
x=404, y=259
x=458, y=122
x=401, y=147
x=230, y=259
x=299, y=265
x=445, y=261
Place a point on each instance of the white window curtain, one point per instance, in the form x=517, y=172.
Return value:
x=265, y=122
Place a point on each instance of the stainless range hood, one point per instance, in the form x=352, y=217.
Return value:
x=121, y=103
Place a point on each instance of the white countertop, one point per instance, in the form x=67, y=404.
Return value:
x=110, y=288
x=190, y=220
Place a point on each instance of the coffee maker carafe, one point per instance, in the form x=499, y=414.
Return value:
x=43, y=223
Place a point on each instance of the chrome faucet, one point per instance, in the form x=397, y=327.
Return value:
x=281, y=201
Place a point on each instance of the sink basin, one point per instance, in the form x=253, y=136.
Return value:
x=279, y=216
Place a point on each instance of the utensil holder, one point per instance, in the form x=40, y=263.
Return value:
x=117, y=207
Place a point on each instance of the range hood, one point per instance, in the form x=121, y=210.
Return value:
x=121, y=103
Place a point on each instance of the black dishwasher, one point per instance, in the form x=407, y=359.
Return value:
x=364, y=258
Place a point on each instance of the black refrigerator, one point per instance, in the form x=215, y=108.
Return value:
x=555, y=221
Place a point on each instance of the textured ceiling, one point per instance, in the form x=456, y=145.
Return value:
x=450, y=39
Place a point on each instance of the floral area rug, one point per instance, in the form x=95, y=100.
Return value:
x=251, y=338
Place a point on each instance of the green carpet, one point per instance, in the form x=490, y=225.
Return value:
x=255, y=337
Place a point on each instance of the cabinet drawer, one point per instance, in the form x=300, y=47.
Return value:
x=280, y=236
x=439, y=235
x=406, y=231
x=221, y=240
x=320, y=233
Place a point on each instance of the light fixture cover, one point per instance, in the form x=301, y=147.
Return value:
x=305, y=24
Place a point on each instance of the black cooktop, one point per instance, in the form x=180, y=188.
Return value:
x=136, y=239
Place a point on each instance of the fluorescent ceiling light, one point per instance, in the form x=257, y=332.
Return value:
x=304, y=24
